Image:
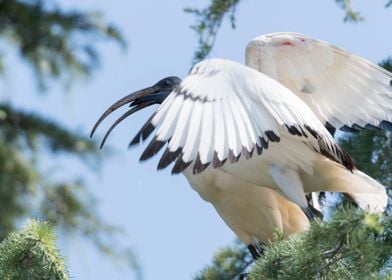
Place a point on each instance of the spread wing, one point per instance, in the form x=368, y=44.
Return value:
x=223, y=110
x=342, y=89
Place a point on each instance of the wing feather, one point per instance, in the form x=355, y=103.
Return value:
x=231, y=129
x=223, y=110
x=221, y=144
x=178, y=137
x=192, y=141
x=207, y=128
x=242, y=136
x=341, y=88
x=169, y=119
x=251, y=129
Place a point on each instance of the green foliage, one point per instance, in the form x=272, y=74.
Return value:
x=24, y=138
x=228, y=263
x=353, y=245
x=372, y=153
x=23, y=129
x=31, y=254
x=28, y=191
x=208, y=21
x=350, y=14
x=387, y=63
x=55, y=43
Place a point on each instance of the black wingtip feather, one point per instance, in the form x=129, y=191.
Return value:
x=347, y=160
x=180, y=166
x=199, y=167
x=349, y=129
x=152, y=149
x=168, y=157
x=386, y=125
x=264, y=143
x=331, y=129
x=303, y=132
x=147, y=130
x=232, y=158
x=251, y=152
x=135, y=140
x=340, y=156
x=216, y=162
x=312, y=131
x=272, y=136
x=259, y=149
x=356, y=128
x=373, y=127
x=246, y=153
x=293, y=130
x=143, y=133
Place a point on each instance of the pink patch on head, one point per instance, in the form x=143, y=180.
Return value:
x=287, y=43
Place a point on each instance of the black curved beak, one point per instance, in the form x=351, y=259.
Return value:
x=137, y=100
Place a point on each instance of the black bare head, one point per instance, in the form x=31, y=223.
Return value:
x=139, y=100
x=169, y=83
x=162, y=90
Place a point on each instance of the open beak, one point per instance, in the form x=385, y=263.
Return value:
x=137, y=100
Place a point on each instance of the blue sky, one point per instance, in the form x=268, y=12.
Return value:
x=173, y=232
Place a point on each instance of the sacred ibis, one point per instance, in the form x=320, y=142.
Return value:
x=252, y=139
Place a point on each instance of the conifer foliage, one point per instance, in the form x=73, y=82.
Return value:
x=58, y=45
x=32, y=254
x=353, y=245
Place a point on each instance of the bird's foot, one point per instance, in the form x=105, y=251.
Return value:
x=312, y=213
x=255, y=251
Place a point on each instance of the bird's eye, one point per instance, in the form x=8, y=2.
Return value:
x=167, y=83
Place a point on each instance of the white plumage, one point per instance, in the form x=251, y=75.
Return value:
x=245, y=109
x=243, y=135
x=330, y=80
x=253, y=212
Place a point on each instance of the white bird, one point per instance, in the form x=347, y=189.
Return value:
x=240, y=137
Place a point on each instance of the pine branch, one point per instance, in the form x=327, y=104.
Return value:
x=361, y=244
x=26, y=191
x=350, y=14
x=32, y=254
x=227, y=264
x=387, y=63
x=25, y=129
x=208, y=22
x=56, y=43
